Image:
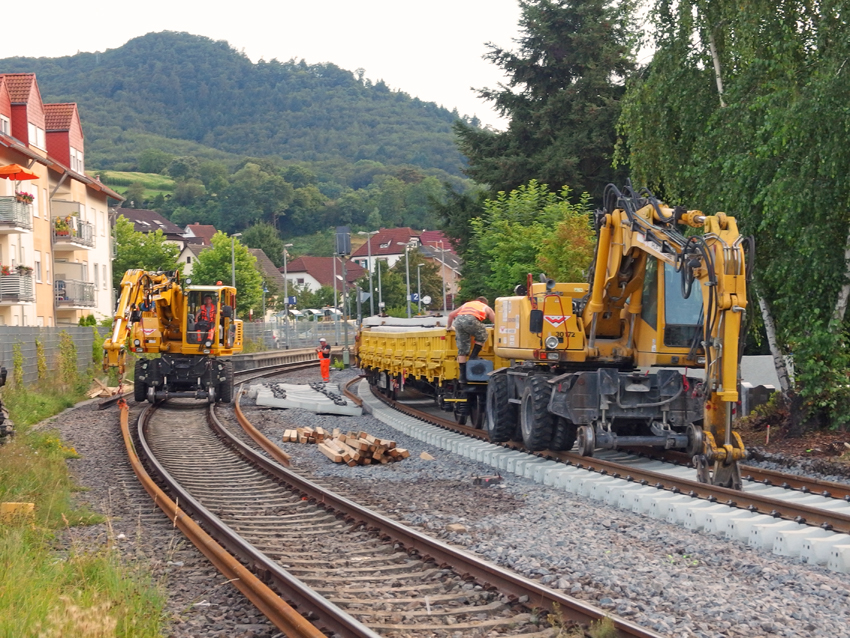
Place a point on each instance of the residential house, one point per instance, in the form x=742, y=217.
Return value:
x=150, y=221
x=387, y=245
x=55, y=244
x=315, y=272
x=204, y=232
x=189, y=256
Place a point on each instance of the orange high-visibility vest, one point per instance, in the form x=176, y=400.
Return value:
x=474, y=308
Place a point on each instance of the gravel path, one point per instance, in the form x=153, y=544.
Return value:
x=662, y=576
x=669, y=579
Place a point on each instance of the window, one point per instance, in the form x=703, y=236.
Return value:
x=47, y=267
x=96, y=274
x=37, y=265
x=188, y=260
x=77, y=161
x=5, y=127
x=36, y=135
x=35, y=202
x=300, y=280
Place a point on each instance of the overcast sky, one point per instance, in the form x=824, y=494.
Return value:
x=431, y=49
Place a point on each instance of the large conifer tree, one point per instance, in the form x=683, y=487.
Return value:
x=562, y=97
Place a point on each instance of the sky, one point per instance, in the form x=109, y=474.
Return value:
x=430, y=49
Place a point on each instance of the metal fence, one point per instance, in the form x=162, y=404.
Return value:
x=83, y=337
x=300, y=333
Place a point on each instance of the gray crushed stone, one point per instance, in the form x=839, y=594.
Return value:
x=666, y=578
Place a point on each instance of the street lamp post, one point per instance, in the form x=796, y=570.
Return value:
x=233, y=258
x=443, y=272
x=419, y=286
x=371, y=268
x=407, y=271
x=285, y=298
x=380, y=293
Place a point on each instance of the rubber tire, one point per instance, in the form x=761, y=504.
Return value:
x=501, y=418
x=534, y=416
x=225, y=388
x=564, y=435
x=140, y=389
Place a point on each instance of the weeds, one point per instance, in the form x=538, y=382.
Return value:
x=603, y=628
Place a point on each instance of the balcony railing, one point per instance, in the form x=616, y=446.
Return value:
x=73, y=293
x=14, y=215
x=72, y=231
x=16, y=289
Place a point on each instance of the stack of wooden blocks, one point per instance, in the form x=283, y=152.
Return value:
x=352, y=448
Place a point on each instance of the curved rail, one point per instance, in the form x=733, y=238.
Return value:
x=273, y=607
x=753, y=502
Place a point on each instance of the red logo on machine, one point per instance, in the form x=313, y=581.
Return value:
x=556, y=320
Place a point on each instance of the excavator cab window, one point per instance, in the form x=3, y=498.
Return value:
x=202, y=317
x=649, y=297
x=682, y=317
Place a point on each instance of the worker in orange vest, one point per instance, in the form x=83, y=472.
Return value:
x=467, y=321
x=324, y=351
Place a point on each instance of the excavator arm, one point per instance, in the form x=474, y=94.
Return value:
x=634, y=228
x=138, y=288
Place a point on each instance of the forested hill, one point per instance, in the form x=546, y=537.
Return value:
x=188, y=87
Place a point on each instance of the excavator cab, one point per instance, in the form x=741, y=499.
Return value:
x=209, y=318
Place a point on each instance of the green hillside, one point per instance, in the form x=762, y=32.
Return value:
x=191, y=95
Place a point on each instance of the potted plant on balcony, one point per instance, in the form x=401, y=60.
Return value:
x=5, y=270
x=24, y=270
x=61, y=227
x=24, y=198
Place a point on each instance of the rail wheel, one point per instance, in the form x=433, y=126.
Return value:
x=477, y=410
x=140, y=388
x=564, y=435
x=586, y=440
x=225, y=388
x=535, y=419
x=501, y=413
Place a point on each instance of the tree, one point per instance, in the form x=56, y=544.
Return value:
x=562, y=97
x=214, y=265
x=266, y=238
x=182, y=168
x=154, y=160
x=737, y=111
x=528, y=230
x=135, y=195
x=146, y=251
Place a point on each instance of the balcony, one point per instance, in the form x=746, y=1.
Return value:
x=15, y=216
x=71, y=233
x=16, y=289
x=72, y=293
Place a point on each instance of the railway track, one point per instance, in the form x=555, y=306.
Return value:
x=790, y=514
x=351, y=571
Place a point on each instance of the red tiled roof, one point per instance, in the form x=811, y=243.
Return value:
x=434, y=237
x=267, y=267
x=386, y=242
x=204, y=231
x=19, y=85
x=322, y=269
x=59, y=117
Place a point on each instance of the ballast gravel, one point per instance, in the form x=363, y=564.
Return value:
x=666, y=578
x=201, y=603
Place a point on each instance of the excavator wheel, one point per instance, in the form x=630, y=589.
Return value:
x=225, y=388
x=536, y=420
x=140, y=388
x=564, y=436
x=500, y=420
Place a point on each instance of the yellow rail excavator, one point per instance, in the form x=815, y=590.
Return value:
x=190, y=328
x=604, y=363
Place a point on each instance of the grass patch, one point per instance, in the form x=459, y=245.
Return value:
x=151, y=181
x=81, y=594
x=46, y=589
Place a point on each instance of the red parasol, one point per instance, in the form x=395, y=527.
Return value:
x=16, y=172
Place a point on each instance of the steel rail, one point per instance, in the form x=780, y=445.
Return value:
x=282, y=615
x=468, y=565
x=753, y=502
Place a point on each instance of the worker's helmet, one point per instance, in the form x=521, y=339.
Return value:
x=322, y=340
